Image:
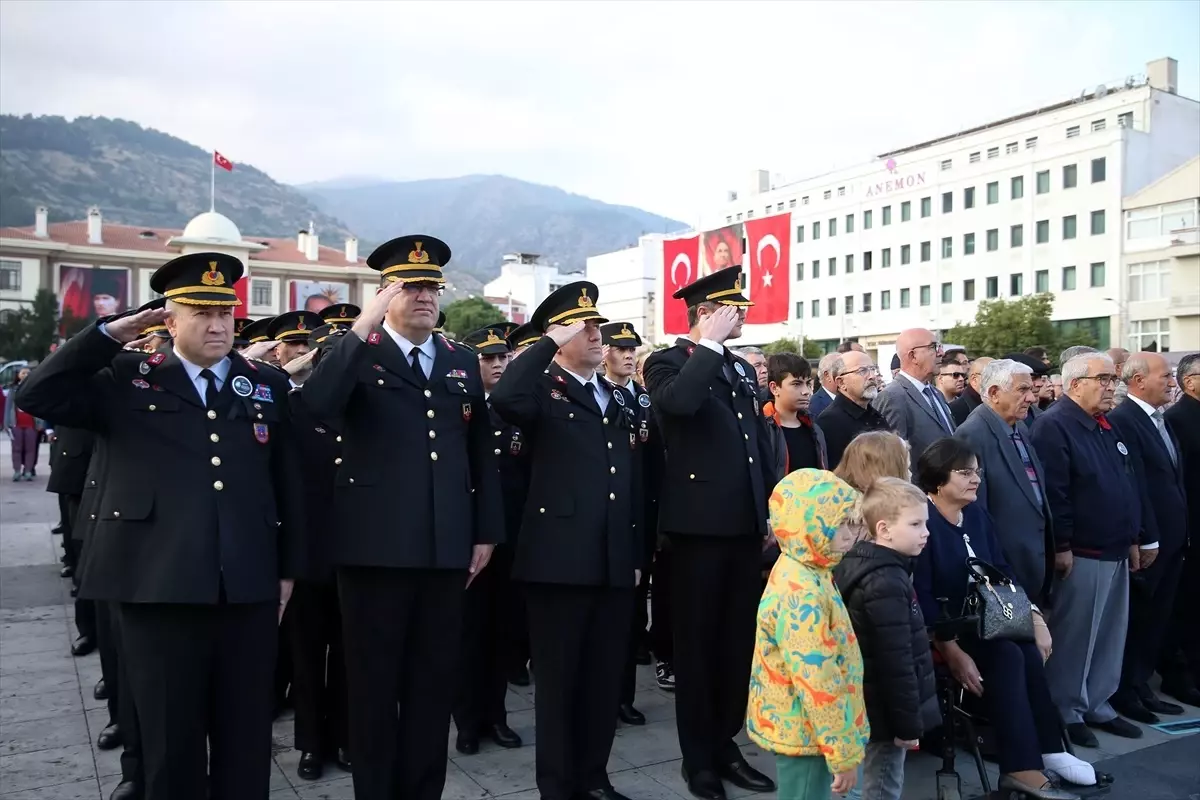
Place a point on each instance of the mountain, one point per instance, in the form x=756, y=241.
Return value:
x=482, y=217
x=137, y=176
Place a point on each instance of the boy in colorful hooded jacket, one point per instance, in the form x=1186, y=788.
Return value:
x=806, y=685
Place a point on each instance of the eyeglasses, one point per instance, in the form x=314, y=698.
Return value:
x=863, y=371
x=969, y=473
x=935, y=346
x=960, y=375
x=1103, y=380
x=420, y=288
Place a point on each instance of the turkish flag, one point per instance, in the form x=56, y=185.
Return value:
x=681, y=259
x=767, y=282
x=242, y=288
x=222, y=162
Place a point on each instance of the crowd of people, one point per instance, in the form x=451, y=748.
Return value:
x=351, y=511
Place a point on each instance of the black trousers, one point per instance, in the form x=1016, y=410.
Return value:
x=486, y=627
x=1151, y=610
x=717, y=586
x=637, y=636
x=201, y=683
x=1180, y=659
x=108, y=643
x=662, y=633
x=314, y=632
x=282, y=681
x=401, y=629
x=579, y=636
x=65, y=516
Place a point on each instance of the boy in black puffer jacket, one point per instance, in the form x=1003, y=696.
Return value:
x=874, y=579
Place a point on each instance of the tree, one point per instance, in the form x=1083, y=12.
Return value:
x=471, y=314
x=809, y=349
x=1010, y=326
x=28, y=333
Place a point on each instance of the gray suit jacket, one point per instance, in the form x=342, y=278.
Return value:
x=911, y=416
x=1022, y=523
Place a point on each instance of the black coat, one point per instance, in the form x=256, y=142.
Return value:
x=194, y=501
x=719, y=465
x=512, y=449
x=898, y=681
x=1159, y=481
x=844, y=419
x=962, y=406
x=319, y=448
x=1184, y=421
x=418, y=486
x=93, y=485
x=582, y=523
x=648, y=464
x=72, y=454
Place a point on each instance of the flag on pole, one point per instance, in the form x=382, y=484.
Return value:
x=222, y=162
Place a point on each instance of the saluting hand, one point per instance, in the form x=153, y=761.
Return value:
x=126, y=329
x=139, y=345
x=372, y=315
x=481, y=554
x=260, y=349
x=561, y=334
x=718, y=325
x=300, y=364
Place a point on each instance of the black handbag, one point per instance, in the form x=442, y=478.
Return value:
x=1003, y=608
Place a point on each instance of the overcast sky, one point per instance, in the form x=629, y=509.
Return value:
x=662, y=106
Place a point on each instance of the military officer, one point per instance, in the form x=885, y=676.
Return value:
x=239, y=332
x=342, y=314
x=198, y=550
x=714, y=512
x=579, y=552
x=418, y=505
x=71, y=454
x=487, y=628
x=255, y=332
x=522, y=337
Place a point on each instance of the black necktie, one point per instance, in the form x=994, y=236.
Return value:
x=210, y=392
x=416, y=365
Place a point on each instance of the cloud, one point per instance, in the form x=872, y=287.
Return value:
x=660, y=105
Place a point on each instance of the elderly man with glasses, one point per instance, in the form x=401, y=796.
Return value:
x=910, y=404
x=858, y=382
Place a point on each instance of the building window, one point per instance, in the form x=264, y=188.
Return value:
x=816, y=309
x=1043, y=181
x=800, y=271
x=1069, y=227
x=848, y=304
x=973, y=158
x=969, y=197
x=904, y=298
x=906, y=211
x=993, y=152
x=867, y=261
x=887, y=215
x=1018, y=187
x=968, y=244
x=925, y=251
x=816, y=231
x=799, y=309
x=833, y=227
x=1173, y=218
x=993, y=288
x=1146, y=332
x=1125, y=120
x=993, y=240
x=885, y=300
x=1098, y=222
x=827, y=194
x=926, y=206
x=1043, y=231
x=993, y=193
x=947, y=247
x=886, y=258
x=925, y=295
x=1097, y=125
x=947, y=292
x=792, y=203
x=968, y=290
x=868, y=220
x=1031, y=143
x=1070, y=176
x=1016, y=236
x=849, y=263
x=1042, y=280
x=1016, y=284
x=260, y=292
x=841, y=191
x=1099, y=170
x=10, y=276
x=849, y=223
x=816, y=269
x=1150, y=280
x=831, y=306
x=947, y=202
x=728, y=218
x=1097, y=275
x=800, y=234
x=1072, y=131
x=739, y=216
x=1068, y=279
x=905, y=254
x=832, y=270
x=1010, y=148
x=866, y=301
x=947, y=164
x=804, y=200
x=750, y=214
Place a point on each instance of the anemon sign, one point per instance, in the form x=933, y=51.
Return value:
x=896, y=183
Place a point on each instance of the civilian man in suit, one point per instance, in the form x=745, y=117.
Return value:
x=714, y=513
x=1158, y=469
x=971, y=397
x=1013, y=487
x=1041, y=376
x=914, y=409
x=858, y=383
x=826, y=392
x=419, y=508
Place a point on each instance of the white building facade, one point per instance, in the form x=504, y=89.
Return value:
x=527, y=281
x=628, y=283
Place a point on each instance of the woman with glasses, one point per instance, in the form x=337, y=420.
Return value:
x=1005, y=675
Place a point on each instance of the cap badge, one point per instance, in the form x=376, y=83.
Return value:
x=300, y=325
x=493, y=339
x=418, y=256
x=737, y=283
x=584, y=300
x=342, y=311
x=213, y=277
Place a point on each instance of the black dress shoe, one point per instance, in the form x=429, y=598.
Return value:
x=342, y=759
x=57, y=529
x=744, y=776
x=66, y=572
x=704, y=784
x=109, y=738
x=101, y=690
x=505, y=736
x=1129, y=705
x=1157, y=705
x=519, y=676
x=126, y=790
x=311, y=768
x=1186, y=693
x=1119, y=727
x=83, y=646
x=466, y=744
x=1081, y=736
x=603, y=794
x=630, y=715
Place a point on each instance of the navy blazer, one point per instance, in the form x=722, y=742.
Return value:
x=1158, y=480
x=819, y=402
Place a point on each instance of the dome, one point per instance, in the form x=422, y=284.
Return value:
x=212, y=227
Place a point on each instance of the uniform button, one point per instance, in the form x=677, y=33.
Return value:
x=739, y=415
x=116, y=514
x=152, y=408
x=258, y=415
x=212, y=414
x=610, y=445
x=571, y=415
x=497, y=434
x=433, y=456
x=337, y=461
x=216, y=462
x=214, y=438
x=93, y=483
x=612, y=496
x=692, y=477
x=218, y=485
x=497, y=451
x=429, y=413
x=612, y=470
x=541, y=511
x=733, y=395
x=93, y=516
x=605, y=420
x=746, y=436
x=64, y=452
x=380, y=381
x=352, y=480
x=751, y=459
x=433, y=434
x=428, y=393
x=339, y=438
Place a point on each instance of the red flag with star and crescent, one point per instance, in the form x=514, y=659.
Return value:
x=681, y=260
x=222, y=162
x=767, y=279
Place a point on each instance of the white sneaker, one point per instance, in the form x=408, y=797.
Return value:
x=1070, y=768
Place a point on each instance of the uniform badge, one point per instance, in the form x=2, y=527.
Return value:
x=141, y=384
x=242, y=386
x=1122, y=449
x=262, y=392
x=261, y=433
x=446, y=342
x=466, y=412
x=319, y=430
x=737, y=365
x=560, y=379
x=644, y=400
x=644, y=432
x=632, y=440
x=144, y=367
x=619, y=396
x=555, y=394
x=457, y=373
x=156, y=387
x=515, y=446
x=156, y=359
x=251, y=365
x=373, y=337
x=756, y=404
x=377, y=367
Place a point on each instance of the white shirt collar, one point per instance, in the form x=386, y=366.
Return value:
x=585, y=381
x=220, y=369
x=832, y=395
x=921, y=385
x=428, y=348
x=1149, y=409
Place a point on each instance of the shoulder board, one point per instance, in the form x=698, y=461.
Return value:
x=373, y=337
x=446, y=342
x=156, y=359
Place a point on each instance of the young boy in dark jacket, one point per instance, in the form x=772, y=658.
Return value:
x=874, y=579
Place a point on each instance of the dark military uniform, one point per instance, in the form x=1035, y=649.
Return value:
x=714, y=511
x=417, y=489
x=194, y=549
x=578, y=550
x=70, y=456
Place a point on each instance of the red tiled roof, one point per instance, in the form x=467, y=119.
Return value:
x=130, y=237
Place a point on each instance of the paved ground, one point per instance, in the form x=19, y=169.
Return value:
x=49, y=721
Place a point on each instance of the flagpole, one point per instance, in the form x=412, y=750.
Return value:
x=213, y=182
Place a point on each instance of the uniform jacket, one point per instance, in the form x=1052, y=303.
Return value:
x=1184, y=419
x=911, y=416
x=583, y=516
x=93, y=484
x=319, y=449
x=719, y=466
x=844, y=419
x=806, y=681
x=1023, y=523
x=194, y=502
x=72, y=449
x=899, y=687
x=648, y=463
x=512, y=450
x=418, y=486
x=1158, y=479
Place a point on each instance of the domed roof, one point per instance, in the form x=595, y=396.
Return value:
x=213, y=227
